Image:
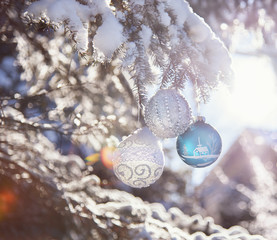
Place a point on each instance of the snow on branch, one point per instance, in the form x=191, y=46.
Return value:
x=77, y=18
x=72, y=12
x=196, y=50
x=145, y=35
x=108, y=37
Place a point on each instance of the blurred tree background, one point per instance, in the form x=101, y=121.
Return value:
x=60, y=104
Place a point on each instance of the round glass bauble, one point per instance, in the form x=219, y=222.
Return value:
x=167, y=114
x=139, y=160
x=200, y=145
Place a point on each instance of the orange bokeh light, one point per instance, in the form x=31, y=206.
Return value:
x=7, y=202
x=106, y=156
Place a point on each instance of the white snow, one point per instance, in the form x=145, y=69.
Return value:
x=181, y=10
x=61, y=10
x=165, y=19
x=146, y=34
x=137, y=2
x=198, y=29
x=217, y=55
x=108, y=37
x=173, y=33
x=99, y=6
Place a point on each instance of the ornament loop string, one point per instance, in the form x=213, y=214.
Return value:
x=198, y=106
x=197, y=99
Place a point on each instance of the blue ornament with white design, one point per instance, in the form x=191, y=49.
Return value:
x=200, y=145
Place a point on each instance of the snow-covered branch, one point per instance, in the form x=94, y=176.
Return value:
x=144, y=35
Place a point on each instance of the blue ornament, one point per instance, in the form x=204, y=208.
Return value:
x=200, y=145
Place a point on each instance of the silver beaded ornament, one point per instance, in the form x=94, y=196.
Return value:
x=167, y=114
x=139, y=160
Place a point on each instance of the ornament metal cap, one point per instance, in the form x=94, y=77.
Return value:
x=199, y=119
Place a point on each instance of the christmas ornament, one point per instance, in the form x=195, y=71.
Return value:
x=200, y=145
x=167, y=114
x=139, y=160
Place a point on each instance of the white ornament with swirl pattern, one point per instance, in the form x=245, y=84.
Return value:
x=139, y=159
x=167, y=114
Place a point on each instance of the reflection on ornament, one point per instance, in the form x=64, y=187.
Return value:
x=200, y=145
x=139, y=159
x=106, y=154
x=167, y=114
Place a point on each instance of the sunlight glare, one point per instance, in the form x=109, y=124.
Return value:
x=250, y=102
x=254, y=95
x=252, y=99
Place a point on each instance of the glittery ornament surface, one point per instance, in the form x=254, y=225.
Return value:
x=200, y=145
x=167, y=114
x=139, y=159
